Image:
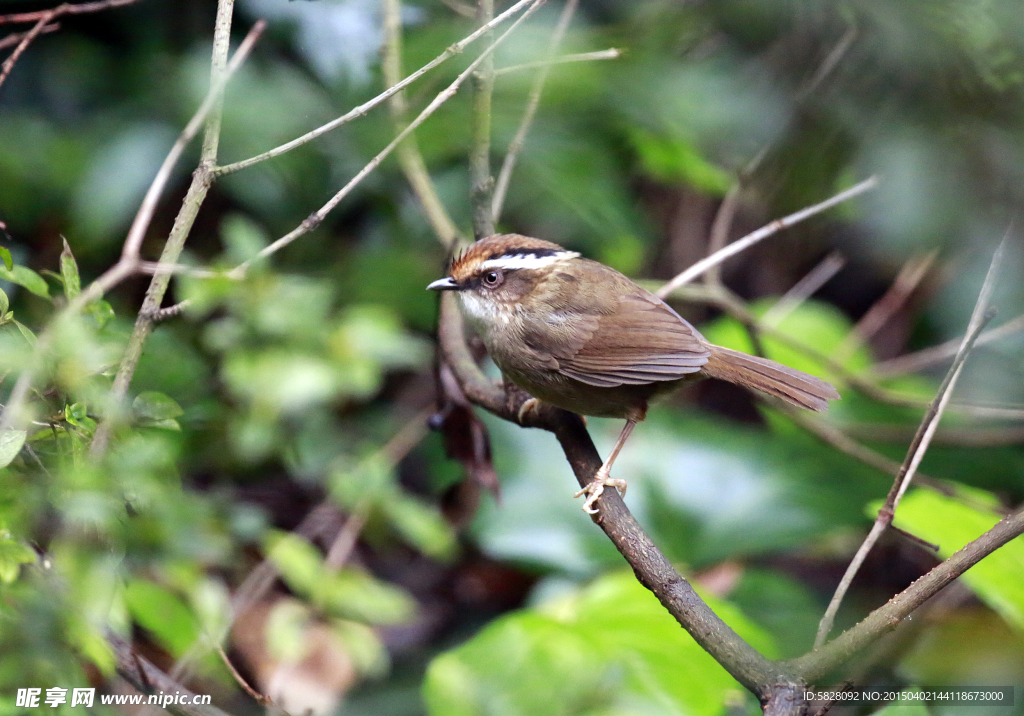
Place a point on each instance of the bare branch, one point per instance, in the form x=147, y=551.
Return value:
x=763, y=233
x=928, y=357
x=612, y=53
x=65, y=9
x=481, y=182
x=906, y=282
x=148, y=679
x=8, y=64
x=15, y=37
x=804, y=288
x=918, y=447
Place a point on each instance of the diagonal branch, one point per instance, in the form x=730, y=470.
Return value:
x=652, y=568
x=918, y=447
x=764, y=232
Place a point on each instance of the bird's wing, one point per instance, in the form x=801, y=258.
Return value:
x=642, y=341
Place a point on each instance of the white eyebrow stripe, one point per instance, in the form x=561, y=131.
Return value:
x=526, y=261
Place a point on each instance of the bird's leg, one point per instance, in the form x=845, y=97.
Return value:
x=595, y=488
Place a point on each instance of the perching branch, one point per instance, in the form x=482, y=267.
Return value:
x=652, y=568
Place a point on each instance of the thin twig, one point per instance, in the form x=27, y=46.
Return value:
x=918, y=447
x=612, y=53
x=317, y=217
x=261, y=699
x=409, y=156
x=392, y=453
x=65, y=9
x=15, y=37
x=928, y=357
x=8, y=64
x=804, y=289
x=764, y=232
x=170, y=311
x=379, y=99
x=532, y=103
x=905, y=283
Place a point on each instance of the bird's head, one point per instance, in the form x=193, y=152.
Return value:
x=496, y=276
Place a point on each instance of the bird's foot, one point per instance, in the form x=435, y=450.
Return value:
x=528, y=407
x=595, y=489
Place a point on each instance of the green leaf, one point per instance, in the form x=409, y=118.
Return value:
x=10, y=445
x=5, y=254
x=13, y=554
x=69, y=272
x=610, y=647
x=675, y=160
x=346, y=593
x=5, y=303
x=421, y=524
x=952, y=523
x=26, y=332
x=163, y=614
x=154, y=406
x=102, y=311
x=77, y=414
x=26, y=277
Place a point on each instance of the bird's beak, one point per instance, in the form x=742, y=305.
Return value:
x=443, y=284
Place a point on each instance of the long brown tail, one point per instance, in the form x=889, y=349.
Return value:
x=793, y=386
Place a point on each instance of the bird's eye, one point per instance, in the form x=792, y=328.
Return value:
x=492, y=279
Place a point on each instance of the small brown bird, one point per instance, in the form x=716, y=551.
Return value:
x=583, y=337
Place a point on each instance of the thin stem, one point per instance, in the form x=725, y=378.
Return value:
x=8, y=64
x=379, y=99
x=612, y=53
x=928, y=357
x=65, y=9
x=905, y=283
x=764, y=232
x=532, y=103
x=918, y=447
x=15, y=37
x=317, y=217
x=804, y=288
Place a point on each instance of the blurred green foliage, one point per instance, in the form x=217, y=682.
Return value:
x=272, y=394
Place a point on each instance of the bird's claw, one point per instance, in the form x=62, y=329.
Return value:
x=595, y=489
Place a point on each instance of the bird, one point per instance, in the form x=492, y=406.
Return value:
x=581, y=336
